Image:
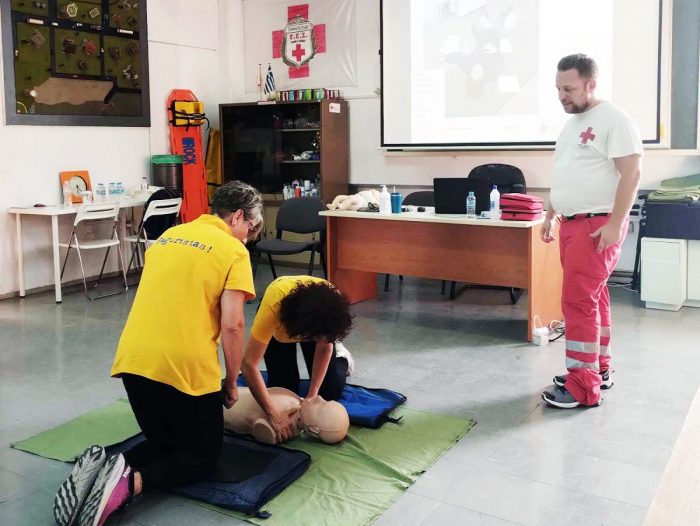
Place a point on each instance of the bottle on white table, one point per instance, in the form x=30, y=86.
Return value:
x=67, y=195
x=100, y=193
x=495, y=203
x=384, y=202
x=471, y=205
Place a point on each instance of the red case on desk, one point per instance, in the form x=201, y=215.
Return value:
x=521, y=207
x=521, y=202
x=520, y=216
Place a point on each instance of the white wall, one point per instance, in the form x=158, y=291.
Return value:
x=33, y=155
x=371, y=166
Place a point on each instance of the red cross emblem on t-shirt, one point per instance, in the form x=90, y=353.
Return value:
x=587, y=135
x=299, y=41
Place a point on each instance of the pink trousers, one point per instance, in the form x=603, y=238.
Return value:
x=585, y=302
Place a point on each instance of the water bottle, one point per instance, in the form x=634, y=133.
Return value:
x=144, y=183
x=495, y=203
x=67, y=195
x=471, y=205
x=120, y=190
x=113, y=191
x=384, y=201
x=100, y=193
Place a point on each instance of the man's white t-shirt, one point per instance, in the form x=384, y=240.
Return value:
x=585, y=177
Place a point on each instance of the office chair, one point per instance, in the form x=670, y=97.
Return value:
x=95, y=214
x=145, y=237
x=300, y=216
x=509, y=180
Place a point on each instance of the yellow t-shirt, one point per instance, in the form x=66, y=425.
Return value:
x=172, y=333
x=267, y=321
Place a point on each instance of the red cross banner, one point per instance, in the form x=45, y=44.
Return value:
x=309, y=44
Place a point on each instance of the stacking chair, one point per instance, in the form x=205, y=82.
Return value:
x=155, y=208
x=298, y=215
x=94, y=214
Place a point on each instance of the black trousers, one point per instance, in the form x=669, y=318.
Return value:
x=183, y=433
x=283, y=371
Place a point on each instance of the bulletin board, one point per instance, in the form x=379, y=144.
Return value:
x=75, y=62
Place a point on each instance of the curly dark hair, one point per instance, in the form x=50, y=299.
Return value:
x=317, y=310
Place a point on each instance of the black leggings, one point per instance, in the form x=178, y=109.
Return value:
x=183, y=433
x=283, y=371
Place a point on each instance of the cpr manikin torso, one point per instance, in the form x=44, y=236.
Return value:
x=327, y=421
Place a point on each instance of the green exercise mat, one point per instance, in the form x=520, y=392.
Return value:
x=350, y=483
x=354, y=482
x=106, y=425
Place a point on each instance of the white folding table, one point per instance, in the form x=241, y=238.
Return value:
x=54, y=212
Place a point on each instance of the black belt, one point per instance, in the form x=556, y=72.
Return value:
x=585, y=216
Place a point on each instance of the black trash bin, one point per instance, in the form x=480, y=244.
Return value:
x=166, y=171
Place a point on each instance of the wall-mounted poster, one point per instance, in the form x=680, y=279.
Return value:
x=75, y=62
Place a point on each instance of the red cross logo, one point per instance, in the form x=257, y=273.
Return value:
x=299, y=41
x=585, y=136
x=298, y=52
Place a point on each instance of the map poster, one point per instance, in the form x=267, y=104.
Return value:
x=70, y=62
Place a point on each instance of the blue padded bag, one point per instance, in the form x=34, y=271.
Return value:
x=248, y=475
x=366, y=407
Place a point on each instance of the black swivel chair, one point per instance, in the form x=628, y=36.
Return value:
x=298, y=215
x=509, y=180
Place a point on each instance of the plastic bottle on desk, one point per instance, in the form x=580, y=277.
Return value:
x=112, y=191
x=471, y=205
x=384, y=202
x=100, y=193
x=495, y=203
x=120, y=190
x=67, y=195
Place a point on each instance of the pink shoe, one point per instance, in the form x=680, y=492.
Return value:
x=113, y=490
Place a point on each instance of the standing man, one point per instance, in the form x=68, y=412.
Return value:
x=195, y=282
x=596, y=175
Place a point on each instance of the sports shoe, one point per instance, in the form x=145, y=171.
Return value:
x=560, y=397
x=342, y=352
x=75, y=488
x=112, y=491
x=606, y=380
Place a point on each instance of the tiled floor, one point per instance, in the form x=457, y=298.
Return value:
x=522, y=464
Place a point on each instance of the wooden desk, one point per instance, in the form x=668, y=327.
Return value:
x=54, y=212
x=421, y=244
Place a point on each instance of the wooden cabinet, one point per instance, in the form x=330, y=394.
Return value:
x=269, y=145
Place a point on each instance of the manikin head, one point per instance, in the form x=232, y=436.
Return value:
x=576, y=83
x=327, y=421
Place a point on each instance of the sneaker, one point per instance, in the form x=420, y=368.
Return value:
x=606, y=380
x=342, y=352
x=112, y=491
x=560, y=397
x=75, y=488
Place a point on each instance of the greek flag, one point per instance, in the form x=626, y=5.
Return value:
x=269, y=81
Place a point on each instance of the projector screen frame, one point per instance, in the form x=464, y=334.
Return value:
x=663, y=100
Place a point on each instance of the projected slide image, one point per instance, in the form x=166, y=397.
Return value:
x=488, y=54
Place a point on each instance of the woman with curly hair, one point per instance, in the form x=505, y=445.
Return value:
x=305, y=310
